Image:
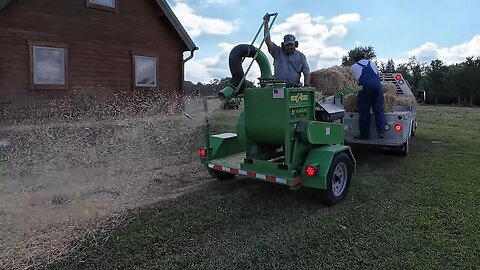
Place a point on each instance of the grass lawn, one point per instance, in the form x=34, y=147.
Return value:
x=415, y=212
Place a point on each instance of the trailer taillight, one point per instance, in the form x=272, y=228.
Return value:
x=398, y=77
x=397, y=127
x=202, y=152
x=311, y=171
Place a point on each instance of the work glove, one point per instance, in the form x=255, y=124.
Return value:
x=266, y=18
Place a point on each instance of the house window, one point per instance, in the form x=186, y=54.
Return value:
x=109, y=5
x=49, y=67
x=145, y=71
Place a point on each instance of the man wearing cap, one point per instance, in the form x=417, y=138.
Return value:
x=288, y=63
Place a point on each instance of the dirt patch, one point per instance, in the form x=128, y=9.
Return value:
x=62, y=180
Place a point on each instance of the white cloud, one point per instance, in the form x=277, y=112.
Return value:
x=345, y=18
x=338, y=31
x=318, y=39
x=426, y=52
x=216, y=67
x=196, y=25
x=315, y=36
x=430, y=51
x=196, y=71
x=221, y=2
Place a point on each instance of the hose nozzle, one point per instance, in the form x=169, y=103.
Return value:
x=226, y=93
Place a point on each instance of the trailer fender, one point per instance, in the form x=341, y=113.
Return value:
x=222, y=145
x=321, y=158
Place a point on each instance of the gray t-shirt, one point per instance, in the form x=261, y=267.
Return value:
x=288, y=67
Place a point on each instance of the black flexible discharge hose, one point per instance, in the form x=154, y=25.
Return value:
x=235, y=63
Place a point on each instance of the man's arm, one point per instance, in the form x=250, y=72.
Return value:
x=305, y=71
x=357, y=71
x=266, y=33
x=306, y=79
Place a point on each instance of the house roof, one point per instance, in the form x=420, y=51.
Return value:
x=168, y=12
x=176, y=24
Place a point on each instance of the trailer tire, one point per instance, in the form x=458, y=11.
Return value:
x=414, y=127
x=405, y=148
x=220, y=175
x=338, y=179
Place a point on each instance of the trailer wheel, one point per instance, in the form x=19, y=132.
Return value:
x=220, y=175
x=414, y=128
x=338, y=179
x=405, y=148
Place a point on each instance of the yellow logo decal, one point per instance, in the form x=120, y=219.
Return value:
x=298, y=98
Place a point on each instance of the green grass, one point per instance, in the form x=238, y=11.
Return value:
x=415, y=212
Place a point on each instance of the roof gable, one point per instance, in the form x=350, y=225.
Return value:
x=176, y=24
x=166, y=10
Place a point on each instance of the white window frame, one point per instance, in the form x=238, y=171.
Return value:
x=135, y=71
x=92, y=2
x=34, y=64
x=103, y=7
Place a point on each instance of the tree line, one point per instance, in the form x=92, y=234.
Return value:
x=211, y=88
x=457, y=84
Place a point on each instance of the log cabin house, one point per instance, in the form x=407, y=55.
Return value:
x=95, y=48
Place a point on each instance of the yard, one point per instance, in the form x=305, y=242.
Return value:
x=415, y=212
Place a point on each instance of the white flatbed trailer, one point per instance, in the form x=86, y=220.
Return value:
x=400, y=124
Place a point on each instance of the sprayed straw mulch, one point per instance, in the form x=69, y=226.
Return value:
x=76, y=107
x=67, y=176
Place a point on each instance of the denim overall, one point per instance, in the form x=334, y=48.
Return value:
x=370, y=97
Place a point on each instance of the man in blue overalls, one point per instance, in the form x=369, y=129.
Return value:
x=366, y=72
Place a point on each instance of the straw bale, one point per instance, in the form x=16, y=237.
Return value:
x=389, y=88
x=388, y=102
x=331, y=80
x=319, y=95
x=405, y=100
x=350, y=103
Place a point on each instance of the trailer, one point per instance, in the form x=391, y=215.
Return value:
x=400, y=126
x=280, y=139
x=283, y=135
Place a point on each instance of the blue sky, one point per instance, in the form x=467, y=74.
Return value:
x=327, y=30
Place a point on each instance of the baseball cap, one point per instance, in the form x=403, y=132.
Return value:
x=289, y=39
